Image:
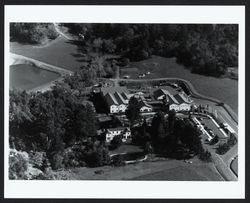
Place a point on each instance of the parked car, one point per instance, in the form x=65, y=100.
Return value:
x=126, y=76
x=141, y=75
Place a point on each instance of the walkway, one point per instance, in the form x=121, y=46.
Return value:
x=18, y=59
x=60, y=32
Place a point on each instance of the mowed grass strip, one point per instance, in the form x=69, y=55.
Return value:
x=156, y=170
x=184, y=173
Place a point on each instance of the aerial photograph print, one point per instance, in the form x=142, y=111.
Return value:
x=123, y=101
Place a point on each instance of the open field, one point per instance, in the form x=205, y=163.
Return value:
x=182, y=173
x=158, y=170
x=224, y=89
x=59, y=52
x=26, y=77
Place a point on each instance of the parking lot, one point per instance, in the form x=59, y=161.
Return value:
x=210, y=127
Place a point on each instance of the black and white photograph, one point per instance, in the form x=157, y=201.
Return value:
x=123, y=101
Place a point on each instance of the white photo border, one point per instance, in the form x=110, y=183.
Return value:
x=129, y=189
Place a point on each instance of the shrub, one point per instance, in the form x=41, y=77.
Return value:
x=18, y=164
x=49, y=174
x=148, y=148
x=232, y=140
x=205, y=156
x=69, y=158
x=57, y=161
x=97, y=157
x=38, y=160
x=214, y=140
x=222, y=149
x=116, y=142
x=118, y=160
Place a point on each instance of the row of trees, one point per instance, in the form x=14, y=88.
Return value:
x=34, y=33
x=205, y=48
x=224, y=147
x=171, y=137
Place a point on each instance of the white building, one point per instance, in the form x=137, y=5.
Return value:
x=184, y=101
x=177, y=102
x=144, y=107
x=112, y=132
x=116, y=98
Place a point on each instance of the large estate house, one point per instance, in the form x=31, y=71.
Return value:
x=116, y=98
x=112, y=132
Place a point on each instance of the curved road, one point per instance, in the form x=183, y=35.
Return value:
x=222, y=167
x=222, y=163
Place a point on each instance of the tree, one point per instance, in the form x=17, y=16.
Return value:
x=33, y=33
x=97, y=155
x=214, y=140
x=116, y=142
x=118, y=160
x=20, y=116
x=232, y=140
x=108, y=46
x=148, y=148
x=133, y=110
x=190, y=137
x=171, y=119
x=222, y=149
x=205, y=156
x=18, y=164
x=159, y=126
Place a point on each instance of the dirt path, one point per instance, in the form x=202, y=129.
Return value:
x=60, y=32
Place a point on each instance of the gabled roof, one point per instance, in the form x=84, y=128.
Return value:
x=110, y=99
x=118, y=129
x=119, y=98
x=125, y=96
x=172, y=100
x=143, y=103
x=185, y=98
x=161, y=92
x=179, y=99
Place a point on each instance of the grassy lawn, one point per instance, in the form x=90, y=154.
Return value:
x=59, y=52
x=126, y=148
x=224, y=89
x=65, y=54
x=159, y=170
x=184, y=173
